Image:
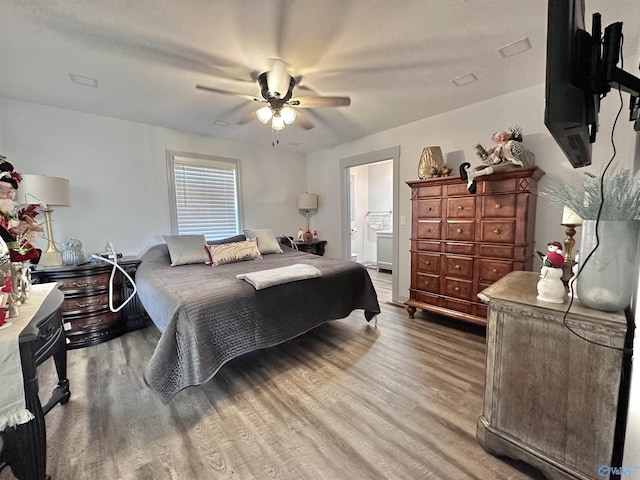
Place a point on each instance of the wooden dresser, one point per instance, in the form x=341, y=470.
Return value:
x=462, y=243
x=85, y=311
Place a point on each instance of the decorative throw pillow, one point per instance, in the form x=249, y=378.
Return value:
x=233, y=252
x=185, y=249
x=267, y=241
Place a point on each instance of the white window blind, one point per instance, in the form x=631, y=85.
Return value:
x=206, y=196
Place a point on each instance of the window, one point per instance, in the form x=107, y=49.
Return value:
x=204, y=195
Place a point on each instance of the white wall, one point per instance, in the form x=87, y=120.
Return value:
x=117, y=174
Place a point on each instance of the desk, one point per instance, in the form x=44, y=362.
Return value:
x=24, y=447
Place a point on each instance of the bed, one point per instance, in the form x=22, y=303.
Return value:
x=207, y=316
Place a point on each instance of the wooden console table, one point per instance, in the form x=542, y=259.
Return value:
x=551, y=398
x=24, y=446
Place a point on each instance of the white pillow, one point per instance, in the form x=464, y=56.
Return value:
x=185, y=249
x=267, y=241
x=233, y=252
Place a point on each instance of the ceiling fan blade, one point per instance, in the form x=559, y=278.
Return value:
x=302, y=121
x=319, y=102
x=226, y=92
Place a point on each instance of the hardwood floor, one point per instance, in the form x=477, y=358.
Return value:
x=344, y=401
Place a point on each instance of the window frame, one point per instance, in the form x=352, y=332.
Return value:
x=203, y=160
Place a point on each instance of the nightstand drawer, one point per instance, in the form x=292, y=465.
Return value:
x=84, y=283
x=87, y=304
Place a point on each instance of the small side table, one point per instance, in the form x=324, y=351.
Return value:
x=85, y=311
x=317, y=247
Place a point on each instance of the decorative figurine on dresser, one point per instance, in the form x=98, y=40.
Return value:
x=86, y=310
x=461, y=242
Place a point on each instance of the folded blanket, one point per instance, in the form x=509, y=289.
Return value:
x=275, y=276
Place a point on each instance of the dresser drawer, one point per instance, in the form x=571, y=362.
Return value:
x=498, y=231
x=494, y=270
x=461, y=207
x=429, y=229
x=428, y=263
x=431, y=208
x=427, y=283
x=460, y=230
x=497, y=251
x=460, y=267
x=499, y=186
x=435, y=191
x=424, y=246
x=90, y=323
x=462, y=289
x=499, y=206
x=458, y=189
x=463, y=307
x=85, y=283
x=86, y=304
x=459, y=248
x=427, y=298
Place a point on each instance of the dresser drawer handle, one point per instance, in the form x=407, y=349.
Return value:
x=426, y=282
x=427, y=262
x=459, y=230
x=80, y=285
x=457, y=289
x=494, y=270
x=498, y=206
x=496, y=231
x=82, y=305
x=428, y=229
x=457, y=267
x=460, y=207
x=429, y=209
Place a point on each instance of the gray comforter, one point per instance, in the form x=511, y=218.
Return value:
x=207, y=316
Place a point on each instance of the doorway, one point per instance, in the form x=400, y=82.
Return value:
x=369, y=201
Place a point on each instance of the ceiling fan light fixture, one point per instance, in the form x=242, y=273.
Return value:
x=288, y=115
x=264, y=114
x=277, y=123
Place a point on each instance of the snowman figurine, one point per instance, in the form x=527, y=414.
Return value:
x=550, y=286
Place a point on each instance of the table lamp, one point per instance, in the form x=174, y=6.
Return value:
x=307, y=201
x=46, y=191
x=570, y=220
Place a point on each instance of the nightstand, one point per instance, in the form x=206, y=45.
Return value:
x=85, y=310
x=317, y=247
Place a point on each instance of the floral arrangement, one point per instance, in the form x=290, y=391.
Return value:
x=620, y=192
x=18, y=226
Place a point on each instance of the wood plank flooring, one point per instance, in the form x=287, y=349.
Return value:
x=344, y=401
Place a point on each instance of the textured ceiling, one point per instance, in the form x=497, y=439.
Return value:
x=394, y=58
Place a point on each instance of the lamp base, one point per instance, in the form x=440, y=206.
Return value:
x=51, y=259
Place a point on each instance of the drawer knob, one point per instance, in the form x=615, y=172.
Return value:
x=494, y=270
x=428, y=229
x=457, y=267
x=457, y=289
x=460, y=207
x=426, y=282
x=496, y=231
x=429, y=208
x=459, y=230
x=498, y=206
x=427, y=262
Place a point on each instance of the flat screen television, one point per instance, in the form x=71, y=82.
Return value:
x=581, y=68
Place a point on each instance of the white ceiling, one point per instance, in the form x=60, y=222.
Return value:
x=394, y=58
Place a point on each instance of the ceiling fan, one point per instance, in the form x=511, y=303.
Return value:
x=276, y=88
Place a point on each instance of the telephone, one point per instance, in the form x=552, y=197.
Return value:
x=111, y=257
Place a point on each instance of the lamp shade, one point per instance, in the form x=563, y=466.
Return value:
x=307, y=201
x=569, y=217
x=43, y=189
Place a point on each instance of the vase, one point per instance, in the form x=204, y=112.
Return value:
x=607, y=277
x=550, y=286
